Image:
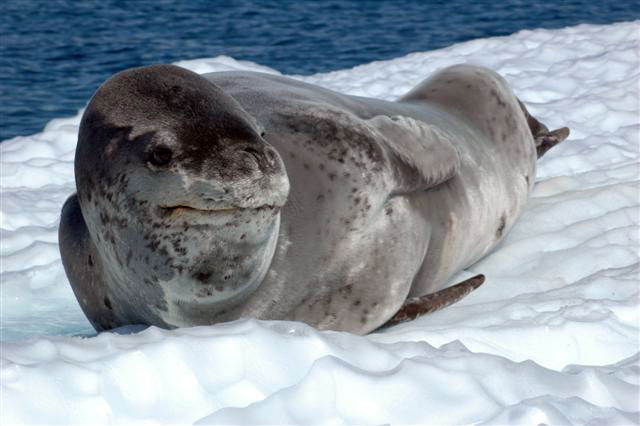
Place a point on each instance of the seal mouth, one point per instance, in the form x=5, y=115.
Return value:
x=175, y=210
x=182, y=209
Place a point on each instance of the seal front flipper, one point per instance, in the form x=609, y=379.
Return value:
x=83, y=266
x=421, y=305
x=426, y=155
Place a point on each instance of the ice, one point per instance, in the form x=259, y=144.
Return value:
x=551, y=337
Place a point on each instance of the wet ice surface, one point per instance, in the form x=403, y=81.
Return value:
x=551, y=337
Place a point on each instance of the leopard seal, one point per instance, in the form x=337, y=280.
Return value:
x=203, y=199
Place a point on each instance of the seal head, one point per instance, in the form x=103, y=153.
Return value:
x=179, y=191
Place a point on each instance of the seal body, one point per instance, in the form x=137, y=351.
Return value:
x=209, y=198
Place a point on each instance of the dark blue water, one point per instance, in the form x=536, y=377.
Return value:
x=54, y=54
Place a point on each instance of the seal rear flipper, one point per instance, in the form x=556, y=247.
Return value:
x=427, y=154
x=544, y=139
x=80, y=262
x=428, y=303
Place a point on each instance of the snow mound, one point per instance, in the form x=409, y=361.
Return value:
x=551, y=337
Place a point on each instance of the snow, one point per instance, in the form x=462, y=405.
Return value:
x=551, y=337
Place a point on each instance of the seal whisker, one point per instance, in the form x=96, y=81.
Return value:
x=296, y=206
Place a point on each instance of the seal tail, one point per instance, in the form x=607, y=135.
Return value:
x=421, y=305
x=545, y=139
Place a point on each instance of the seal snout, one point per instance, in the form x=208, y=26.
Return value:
x=263, y=155
x=259, y=180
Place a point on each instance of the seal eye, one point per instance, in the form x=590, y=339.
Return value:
x=160, y=156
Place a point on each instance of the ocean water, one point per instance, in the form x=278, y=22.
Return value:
x=55, y=53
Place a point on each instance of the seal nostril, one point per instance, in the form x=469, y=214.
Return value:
x=272, y=157
x=254, y=153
